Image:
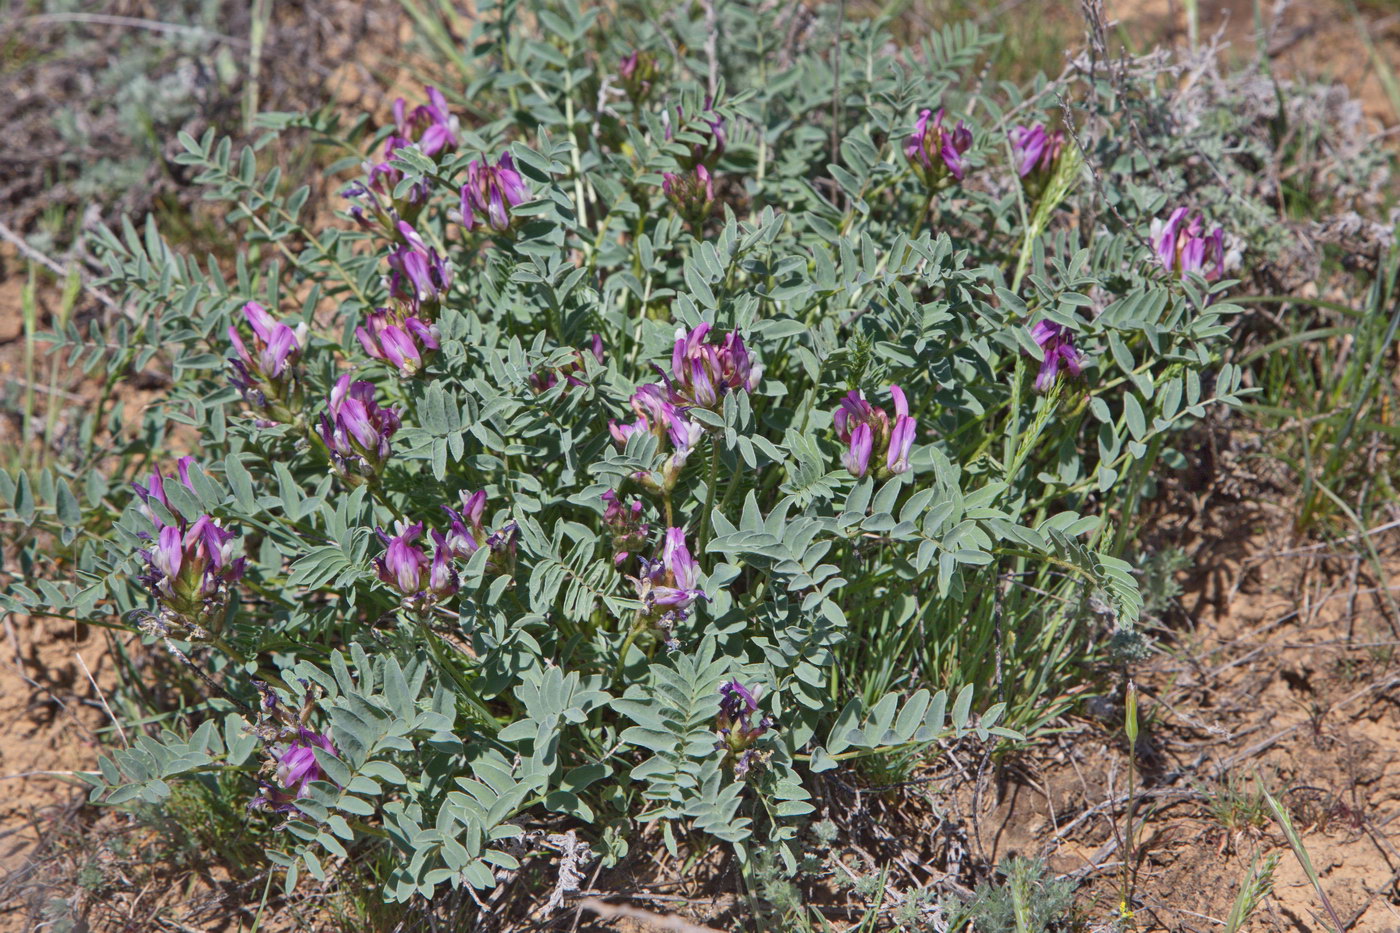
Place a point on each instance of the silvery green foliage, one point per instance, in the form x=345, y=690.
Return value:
x=870, y=616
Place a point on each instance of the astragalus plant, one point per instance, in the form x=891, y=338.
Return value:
x=670, y=412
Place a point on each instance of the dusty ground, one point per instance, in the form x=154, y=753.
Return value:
x=1284, y=674
x=1280, y=667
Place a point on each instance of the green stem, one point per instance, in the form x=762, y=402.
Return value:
x=435, y=645
x=705, y=517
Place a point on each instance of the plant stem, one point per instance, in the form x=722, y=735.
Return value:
x=705, y=517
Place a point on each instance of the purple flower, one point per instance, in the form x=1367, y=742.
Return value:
x=189, y=571
x=737, y=730
x=403, y=343
x=296, y=764
x=295, y=771
x=490, y=191
x=1037, y=153
x=543, y=381
x=657, y=414
x=467, y=534
x=857, y=455
x=703, y=373
x=430, y=125
x=1058, y=344
x=356, y=430
x=156, y=490
x=692, y=193
x=421, y=580
x=669, y=583
x=865, y=429
x=265, y=375
x=419, y=276
x=935, y=152
x=1181, y=247
x=629, y=532
x=708, y=151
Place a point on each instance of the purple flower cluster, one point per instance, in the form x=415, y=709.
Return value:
x=1183, y=247
x=189, y=570
x=866, y=430
x=423, y=576
x=737, y=729
x=467, y=534
x=401, y=341
x=1057, y=342
x=691, y=193
x=1037, y=154
x=190, y=565
x=356, y=430
x=435, y=131
x=490, y=191
x=548, y=379
x=267, y=375
x=419, y=277
x=421, y=580
x=703, y=373
x=296, y=769
x=629, y=532
x=657, y=414
x=432, y=126
x=667, y=586
x=936, y=152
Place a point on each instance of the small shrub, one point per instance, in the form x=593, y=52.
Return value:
x=680, y=427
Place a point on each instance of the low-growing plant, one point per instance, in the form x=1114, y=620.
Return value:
x=1030, y=899
x=705, y=413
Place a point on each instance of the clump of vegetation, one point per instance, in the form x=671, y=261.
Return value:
x=678, y=409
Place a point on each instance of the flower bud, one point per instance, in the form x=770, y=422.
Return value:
x=692, y=194
x=636, y=73
x=629, y=532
